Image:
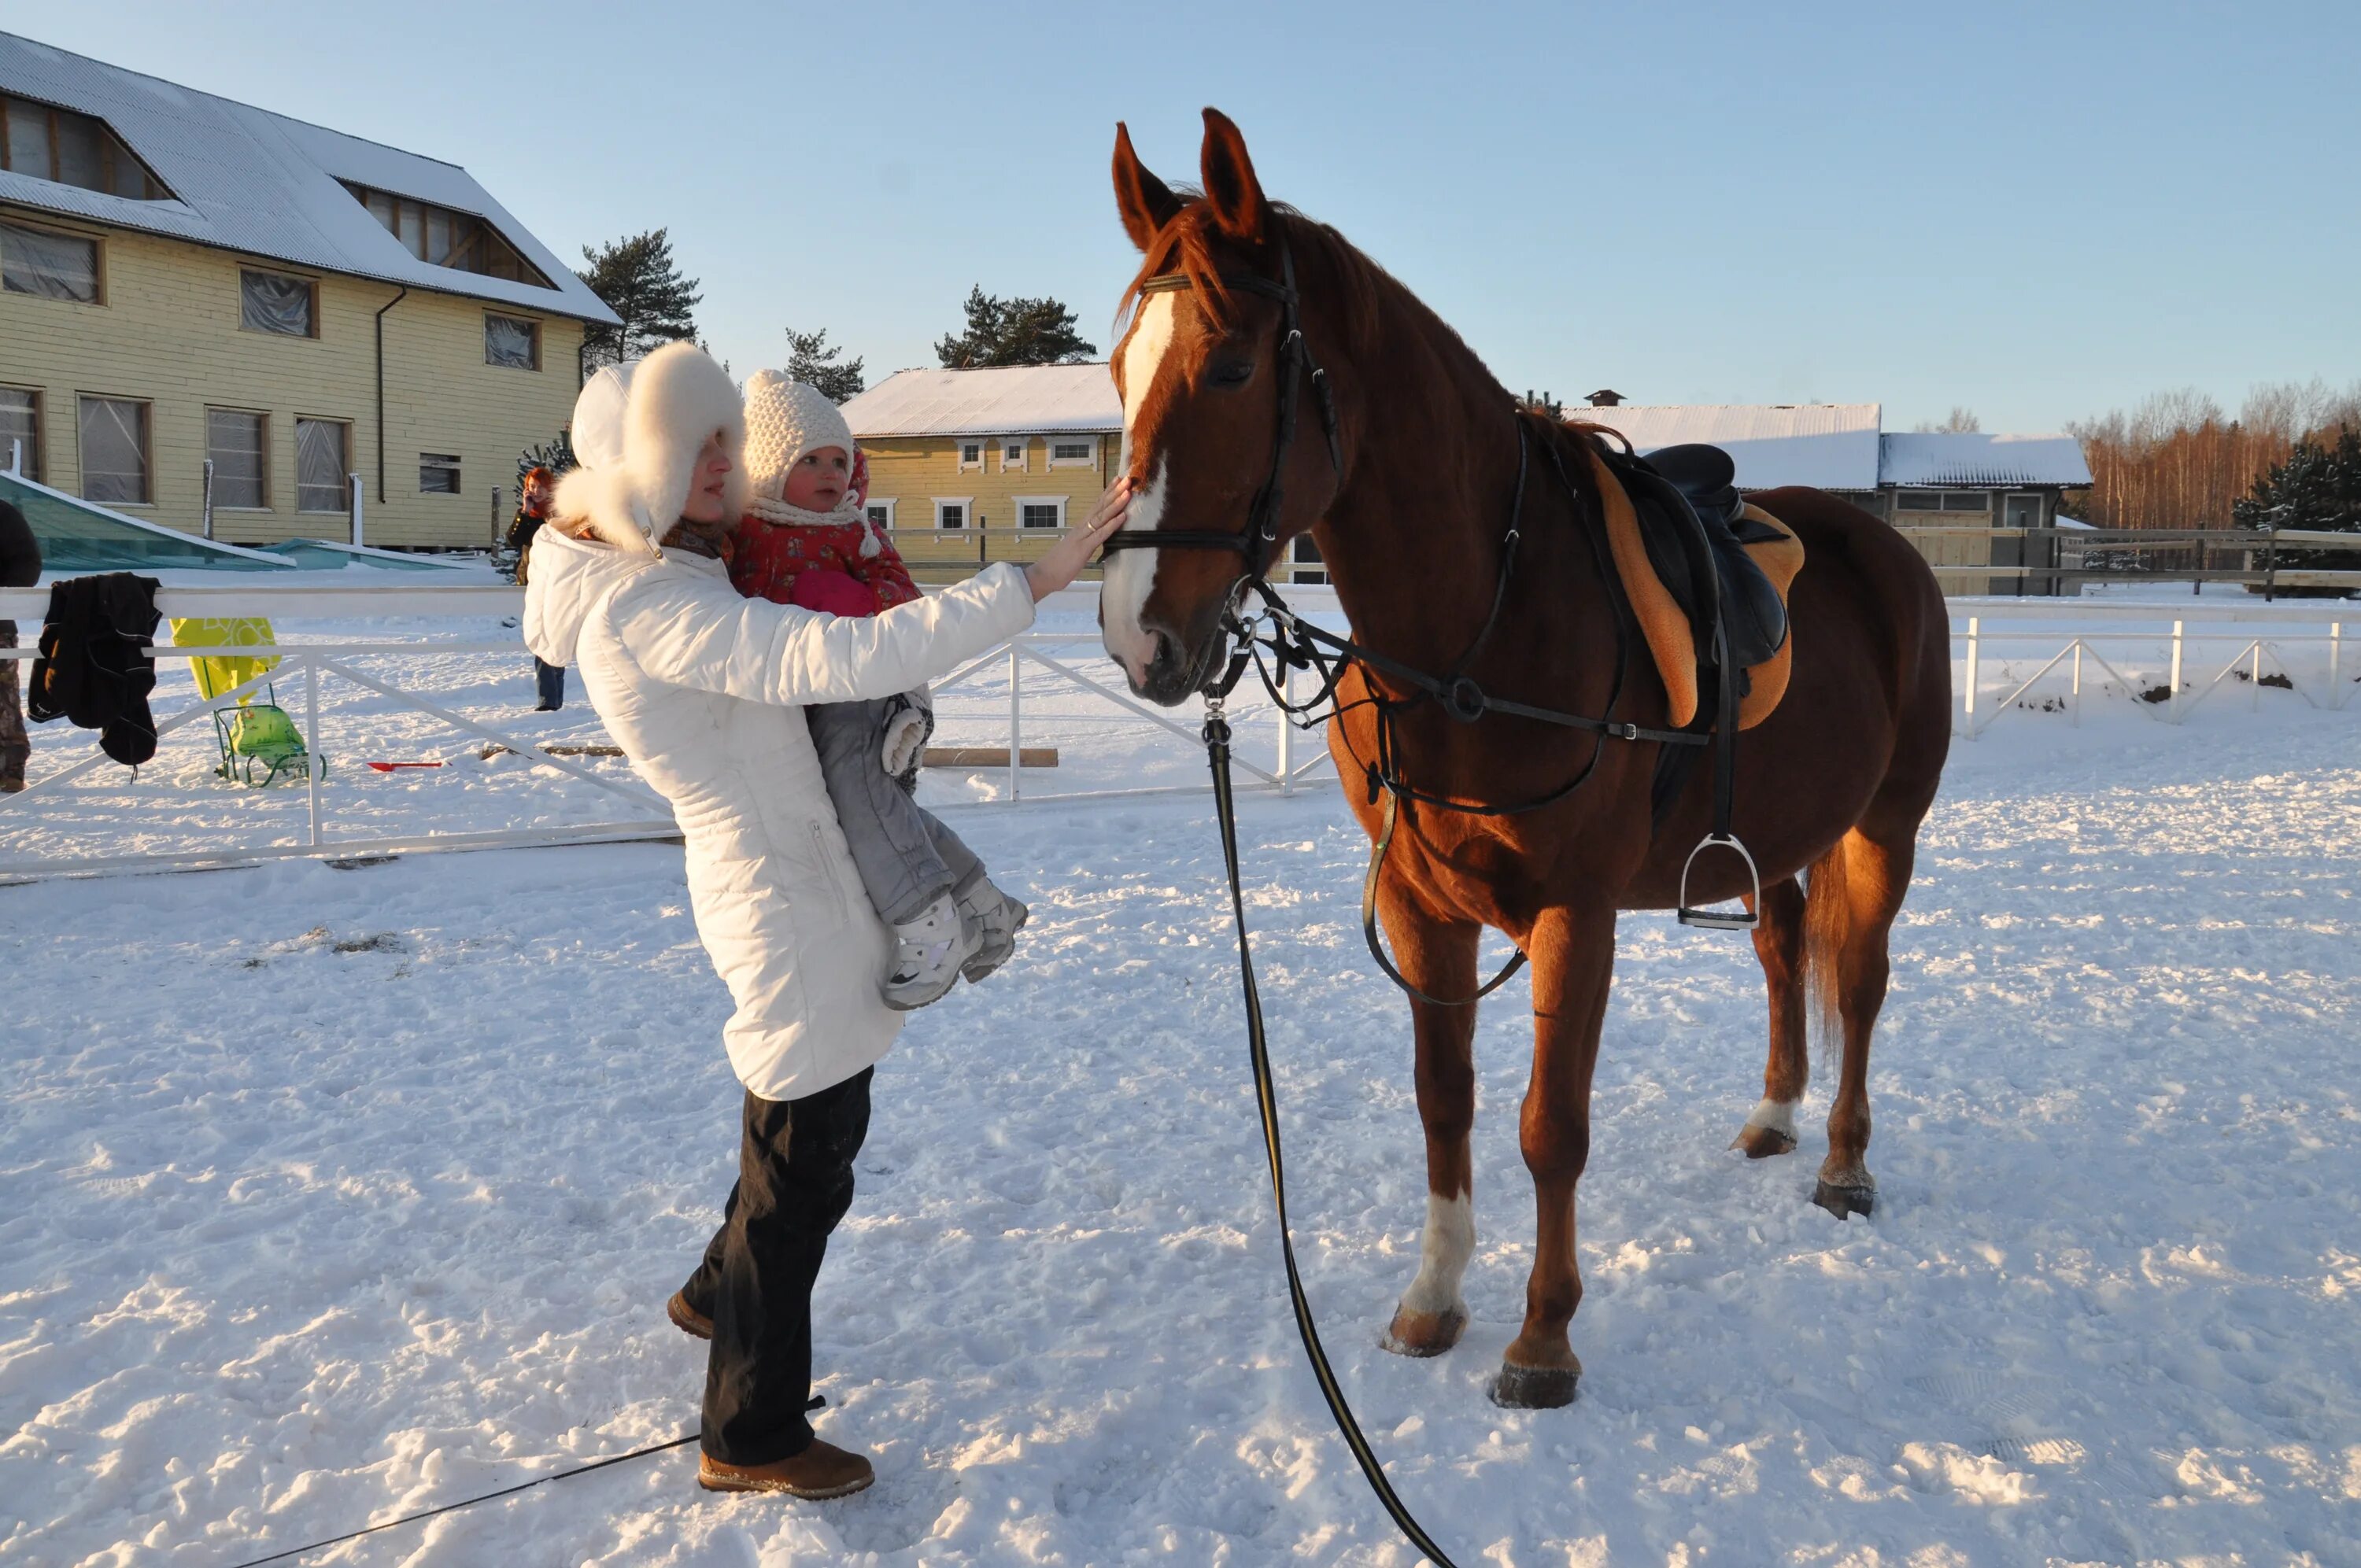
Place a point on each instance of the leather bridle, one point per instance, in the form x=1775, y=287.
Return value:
x=1258, y=542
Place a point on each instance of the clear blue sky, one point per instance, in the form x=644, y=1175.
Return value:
x=2040, y=211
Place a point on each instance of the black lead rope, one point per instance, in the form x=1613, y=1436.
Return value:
x=471, y=1502
x=1217, y=751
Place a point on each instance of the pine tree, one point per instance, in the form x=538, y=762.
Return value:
x=557, y=454
x=810, y=359
x=638, y=281
x=1013, y=331
x=2318, y=486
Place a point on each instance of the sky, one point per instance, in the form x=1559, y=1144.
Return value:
x=2038, y=213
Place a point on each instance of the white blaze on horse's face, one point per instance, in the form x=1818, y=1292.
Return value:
x=1131, y=574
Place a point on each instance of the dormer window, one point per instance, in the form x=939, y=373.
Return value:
x=67, y=149
x=443, y=238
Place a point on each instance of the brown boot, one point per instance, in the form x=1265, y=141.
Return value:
x=687, y=1319
x=823, y=1470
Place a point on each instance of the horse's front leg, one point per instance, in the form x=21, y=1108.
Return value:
x=1439, y=958
x=1574, y=959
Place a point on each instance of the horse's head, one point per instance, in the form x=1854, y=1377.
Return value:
x=1202, y=371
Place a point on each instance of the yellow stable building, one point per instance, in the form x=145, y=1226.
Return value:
x=201, y=300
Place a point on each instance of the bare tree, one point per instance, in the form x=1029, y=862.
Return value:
x=1958, y=421
x=2177, y=460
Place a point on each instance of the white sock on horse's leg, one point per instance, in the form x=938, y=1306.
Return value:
x=1443, y=1248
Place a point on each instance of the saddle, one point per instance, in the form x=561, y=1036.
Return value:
x=1684, y=541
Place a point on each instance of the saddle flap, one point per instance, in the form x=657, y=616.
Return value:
x=1671, y=575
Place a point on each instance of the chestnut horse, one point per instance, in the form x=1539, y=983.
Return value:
x=1409, y=508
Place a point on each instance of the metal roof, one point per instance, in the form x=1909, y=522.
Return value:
x=250, y=180
x=1971, y=461
x=1016, y=400
x=1831, y=445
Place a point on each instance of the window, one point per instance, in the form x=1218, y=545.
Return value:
x=286, y=306
x=48, y=264
x=1919, y=500
x=1966, y=501
x=438, y=473
x=881, y=512
x=952, y=513
x=1040, y=512
x=233, y=441
x=457, y=240
x=68, y=148
x=513, y=342
x=1068, y=453
x=321, y=446
x=1014, y=455
x=1305, y=555
x=114, y=452
x=20, y=430
x=971, y=454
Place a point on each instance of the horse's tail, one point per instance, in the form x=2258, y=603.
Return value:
x=1828, y=920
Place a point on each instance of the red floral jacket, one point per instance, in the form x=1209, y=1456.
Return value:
x=770, y=556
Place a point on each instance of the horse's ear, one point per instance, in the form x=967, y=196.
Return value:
x=1147, y=203
x=1231, y=189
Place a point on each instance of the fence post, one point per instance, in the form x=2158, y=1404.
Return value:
x=1015, y=721
x=1974, y=625
x=2255, y=679
x=2172, y=689
x=496, y=517
x=358, y=507
x=314, y=764
x=1286, y=729
x=206, y=512
x=2078, y=682
x=2336, y=664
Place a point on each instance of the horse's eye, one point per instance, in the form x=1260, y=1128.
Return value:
x=1230, y=372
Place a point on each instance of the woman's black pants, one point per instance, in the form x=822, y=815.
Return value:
x=794, y=1182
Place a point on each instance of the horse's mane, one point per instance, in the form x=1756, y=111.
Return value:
x=1185, y=245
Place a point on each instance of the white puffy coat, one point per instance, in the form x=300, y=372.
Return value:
x=704, y=690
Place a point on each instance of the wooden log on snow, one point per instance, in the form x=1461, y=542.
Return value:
x=990, y=757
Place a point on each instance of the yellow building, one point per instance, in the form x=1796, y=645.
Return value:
x=186, y=280
x=970, y=466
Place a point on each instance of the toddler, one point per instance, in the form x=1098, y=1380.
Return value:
x=806, y=541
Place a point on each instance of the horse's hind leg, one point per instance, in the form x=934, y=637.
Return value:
x=1867, y=874
x=1439, y=958
x=1779, y=944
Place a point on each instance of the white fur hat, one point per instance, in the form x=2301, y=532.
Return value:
x=786, y=419
x=637, y=431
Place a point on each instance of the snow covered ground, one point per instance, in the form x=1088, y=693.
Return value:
x=330, y=1195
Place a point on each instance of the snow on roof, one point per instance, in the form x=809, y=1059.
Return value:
x=1924, y=458
x=1016, y=400
x=244, y=179
x=1831, y=445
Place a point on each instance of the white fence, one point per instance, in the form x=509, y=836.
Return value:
x=2299, y=643
x=2160, y=660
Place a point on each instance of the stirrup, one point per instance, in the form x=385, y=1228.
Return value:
x=1720, y=919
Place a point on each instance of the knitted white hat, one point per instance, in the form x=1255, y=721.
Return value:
x=786, y=419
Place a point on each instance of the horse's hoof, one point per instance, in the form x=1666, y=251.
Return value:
x=1845, y=1201
x=1424, y=1333
x=1535, y=1388
x=1762, y=1143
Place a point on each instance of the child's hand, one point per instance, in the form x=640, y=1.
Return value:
x=1067, y=557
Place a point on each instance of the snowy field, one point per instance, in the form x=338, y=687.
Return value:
x=330, y=1195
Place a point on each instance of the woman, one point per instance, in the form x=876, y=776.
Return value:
x=704, y=690
x=533, y=493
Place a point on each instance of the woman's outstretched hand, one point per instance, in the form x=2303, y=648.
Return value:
x=1071, y=554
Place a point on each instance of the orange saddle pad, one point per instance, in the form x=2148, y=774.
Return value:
x=1665, y=627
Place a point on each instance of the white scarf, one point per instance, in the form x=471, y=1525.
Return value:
x=780, y=512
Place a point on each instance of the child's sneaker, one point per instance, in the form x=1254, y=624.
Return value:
x=929, y=952
x=998, y=919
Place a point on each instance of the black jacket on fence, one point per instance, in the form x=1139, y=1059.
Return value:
x=20, y=553
x=93, y=670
